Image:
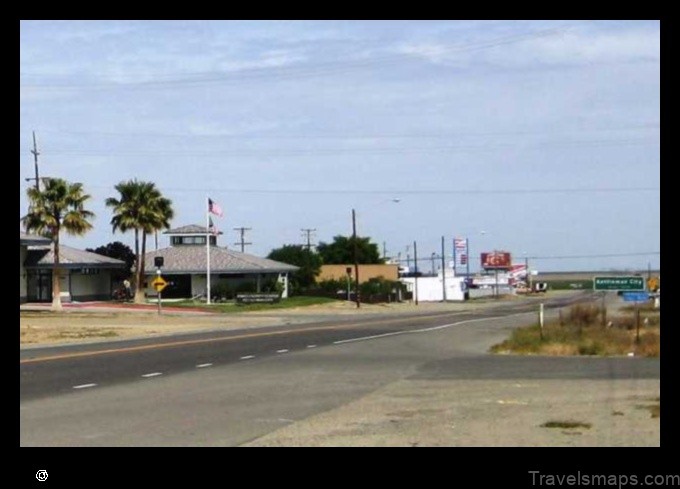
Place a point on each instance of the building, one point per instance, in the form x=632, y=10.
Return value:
x=366, y=272
x=431, y=289
x=185, y=266
x=85, y=276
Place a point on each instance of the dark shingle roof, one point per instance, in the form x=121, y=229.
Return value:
x=32, y=239
x=192, y=259
x=43, y=257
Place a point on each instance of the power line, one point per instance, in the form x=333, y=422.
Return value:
x=610, y=255
x=411, y=191
x=270, y=74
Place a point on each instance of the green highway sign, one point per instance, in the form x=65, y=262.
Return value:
x=618, y=283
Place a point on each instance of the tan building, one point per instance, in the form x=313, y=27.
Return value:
x=366, y=272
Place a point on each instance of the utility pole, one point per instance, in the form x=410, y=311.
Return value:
x=243, y=243
x=356, y=259
x=35, y=159
x=433, y=256
x=443, y=271
x=384, y=250
x=415, y=262
x=308, y=232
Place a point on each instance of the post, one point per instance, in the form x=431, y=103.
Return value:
x=467, y=259
x=526, y=270
x=158, y=297
x=443, y=271
x=603, y=311
x=348, y=271
x=207, y=248
x=356, y=260
x=35, y=158
x=496, y=288
x=540, y=320
x=415, y=261
x=637, y=323
x=433, y=257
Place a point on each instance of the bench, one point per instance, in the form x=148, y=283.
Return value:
x=257, y=298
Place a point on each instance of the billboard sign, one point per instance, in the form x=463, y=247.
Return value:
x=496, y=260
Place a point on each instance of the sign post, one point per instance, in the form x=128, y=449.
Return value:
x=159, y=284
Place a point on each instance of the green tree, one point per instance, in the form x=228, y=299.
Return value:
x=60, y=205
x=298, y=255
x=142, y=208
x=341, y=251
x=120, y=251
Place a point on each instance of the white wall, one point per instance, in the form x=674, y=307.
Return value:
x=430, y=289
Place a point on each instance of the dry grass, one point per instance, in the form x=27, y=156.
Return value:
x=580, y=333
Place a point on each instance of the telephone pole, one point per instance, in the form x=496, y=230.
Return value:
x=35, y=159
x=356, y=260
x=308, y=232
x=243, y=243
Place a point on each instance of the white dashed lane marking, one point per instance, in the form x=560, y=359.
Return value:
x=204, y=365
x=281, y=351
x=247, y=357
x=83, y=386
x=153, y=374
x=311, y=346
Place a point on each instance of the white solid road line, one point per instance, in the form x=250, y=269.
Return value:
x=281, y=351
x=311, y=346
x=83, y=386
x=247, y=357
x=203, y=365
x=153, y=374
x=423, y=330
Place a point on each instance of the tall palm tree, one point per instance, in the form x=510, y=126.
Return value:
x=141, y=208
x=126, y=211
x=59, y=205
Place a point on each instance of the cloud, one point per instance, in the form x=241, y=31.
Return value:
x=550, y=47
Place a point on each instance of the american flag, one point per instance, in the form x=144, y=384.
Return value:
x=214, y=208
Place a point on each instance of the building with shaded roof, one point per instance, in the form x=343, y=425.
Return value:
x=185, y=266
x=85, y=276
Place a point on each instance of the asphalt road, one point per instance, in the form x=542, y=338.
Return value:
x=45, y=372
x=228, y=389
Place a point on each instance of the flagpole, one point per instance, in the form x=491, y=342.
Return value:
x=207, y=244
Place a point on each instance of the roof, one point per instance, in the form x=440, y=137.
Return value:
x=192, y=259
x=43, y=257
x=189, y=229
x=32, y=239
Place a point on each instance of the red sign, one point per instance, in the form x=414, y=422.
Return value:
x=496, y=260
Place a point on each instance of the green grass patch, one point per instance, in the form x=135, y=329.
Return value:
x=566, y=425
x=232, y=307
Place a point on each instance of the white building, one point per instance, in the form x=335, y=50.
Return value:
x=431, y=289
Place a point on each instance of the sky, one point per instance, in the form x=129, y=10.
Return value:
x=541, y=138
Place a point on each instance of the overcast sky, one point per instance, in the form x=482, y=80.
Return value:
x=535, y=137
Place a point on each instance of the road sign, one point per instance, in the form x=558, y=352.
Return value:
x=159, y=284
x=619, y=283
x=635, y=296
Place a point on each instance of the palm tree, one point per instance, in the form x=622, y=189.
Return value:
x=60, y=205
x=141, y=208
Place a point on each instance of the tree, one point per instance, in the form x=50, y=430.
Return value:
x=59, y=205
x=142, y=208
x=341, y=251
x=298, y=255
x=119, y=251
